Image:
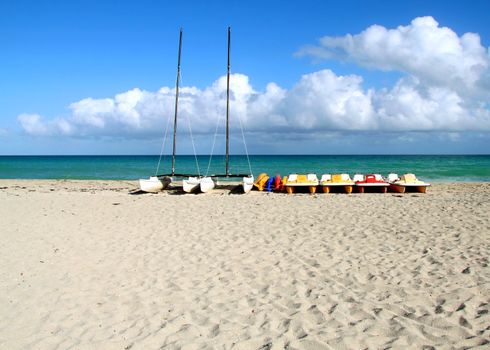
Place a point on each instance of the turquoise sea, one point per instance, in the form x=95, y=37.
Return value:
x=436, y=168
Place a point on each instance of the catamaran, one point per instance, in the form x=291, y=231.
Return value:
x=160, y=182
x=193, y=182
x=208, y=182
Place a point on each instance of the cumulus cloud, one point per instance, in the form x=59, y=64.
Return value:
x=410, y=106
x=323, y=100
x=445, y=88
x=34, y=124
x=434, y=54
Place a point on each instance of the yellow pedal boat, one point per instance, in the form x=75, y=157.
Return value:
x=336, y=180
x=301, y=180
x=261, y=181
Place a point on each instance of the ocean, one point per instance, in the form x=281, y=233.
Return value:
x=435, y=168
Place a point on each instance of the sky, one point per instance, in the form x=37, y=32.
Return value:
x=310, y=77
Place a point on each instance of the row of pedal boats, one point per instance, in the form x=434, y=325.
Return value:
x=342, y=183
x=297, y=182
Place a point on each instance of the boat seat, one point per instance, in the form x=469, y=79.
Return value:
x=392, y=177
x=345, y=177
x=312, y=178
x=326, y=177
x=378, y=177
x=293, y=178
x=409, y=178
x=337, y=178
x=302, y=179
x=358, y=177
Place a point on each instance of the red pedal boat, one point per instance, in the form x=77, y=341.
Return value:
x=370, y=181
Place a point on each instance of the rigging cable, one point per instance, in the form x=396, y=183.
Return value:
x=214, y=142
x=245, y=144
x=163, y=146
x=192, y=141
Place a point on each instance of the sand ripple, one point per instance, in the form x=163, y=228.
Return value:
x=87, y=266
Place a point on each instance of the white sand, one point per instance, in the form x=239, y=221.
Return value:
x=85, y=265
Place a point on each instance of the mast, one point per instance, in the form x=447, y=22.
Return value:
x=176, y=102
x=228, y=106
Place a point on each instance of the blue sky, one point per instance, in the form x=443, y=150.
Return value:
x=62, y=64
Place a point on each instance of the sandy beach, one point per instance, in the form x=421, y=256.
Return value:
x=86, y=265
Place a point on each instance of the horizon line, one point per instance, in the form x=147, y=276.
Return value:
x=217, y=155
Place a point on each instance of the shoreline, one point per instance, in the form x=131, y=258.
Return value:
x=132, y=185
x=87, y=265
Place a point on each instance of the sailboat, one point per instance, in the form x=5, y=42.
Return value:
x=159, y=182
x=192, y=182
x=207, y=183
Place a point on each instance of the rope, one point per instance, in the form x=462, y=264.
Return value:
x=192, y=137
x=245, y=144
x=163, y=146
x=193, y=146
x=212, y=148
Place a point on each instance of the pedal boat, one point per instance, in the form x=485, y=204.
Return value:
x=370, y=181
x=273, y=184
x=261, y=181
x=294, y=180
x=283, y=184
x=277, y=183
x=407, y=182
x=337, y=180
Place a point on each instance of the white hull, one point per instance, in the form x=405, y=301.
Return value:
x=333, y=184
x=191, y=184
x=153, y=184
x=207, y=184
x=248, y=183
x=373, y=185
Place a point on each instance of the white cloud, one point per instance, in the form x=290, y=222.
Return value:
x=33, y=124
x=434, y=54
x=92, y=112
x=320, y=101
x=445, y=89
x=410, y=106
